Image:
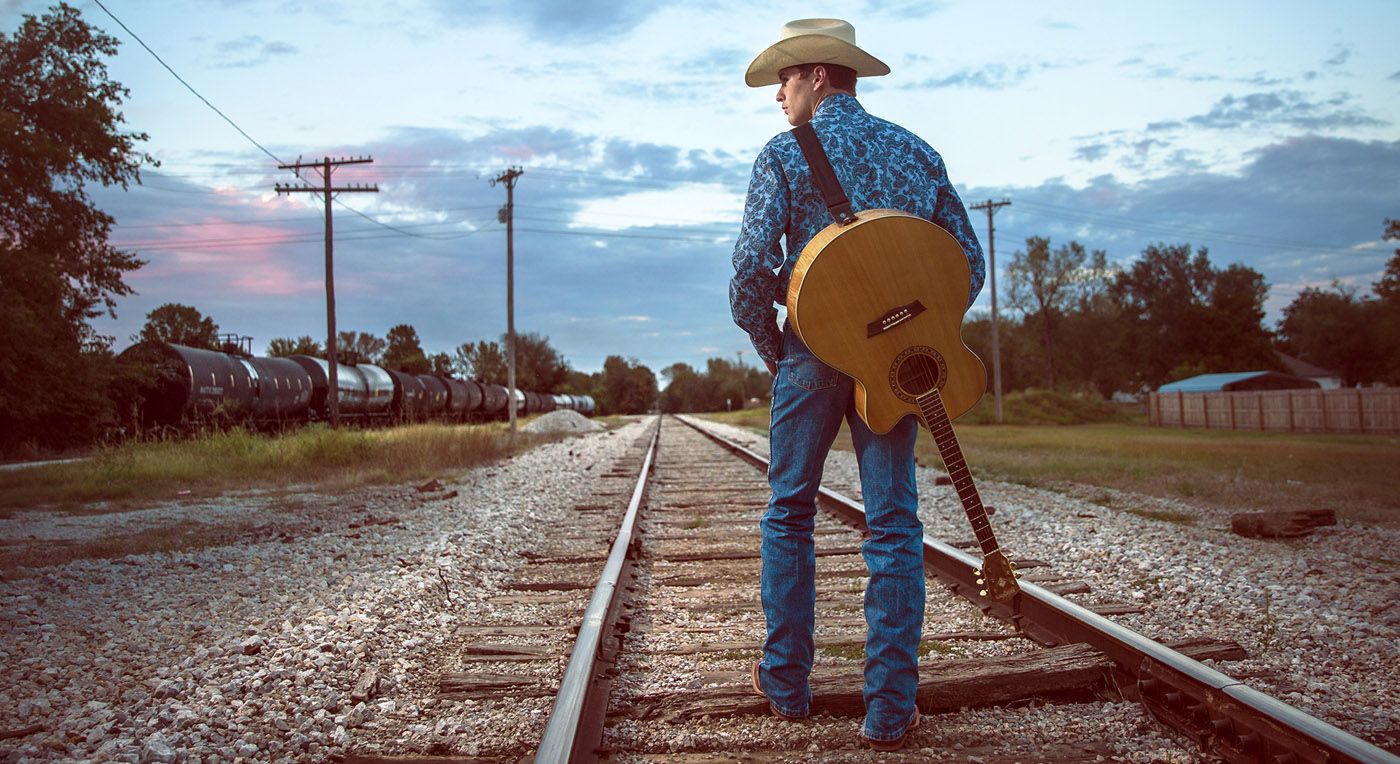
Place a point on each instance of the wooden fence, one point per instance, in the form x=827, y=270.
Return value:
x=1364, y=409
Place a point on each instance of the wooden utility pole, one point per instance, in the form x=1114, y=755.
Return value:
x=991, y=208
x=507, y=216
x=326, y=189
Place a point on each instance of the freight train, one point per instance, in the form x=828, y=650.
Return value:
x=186, y=386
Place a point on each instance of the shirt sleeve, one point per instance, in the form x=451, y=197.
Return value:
x=758, y=255
x=950, y=215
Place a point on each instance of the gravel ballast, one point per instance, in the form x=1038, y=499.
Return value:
x=312, y=638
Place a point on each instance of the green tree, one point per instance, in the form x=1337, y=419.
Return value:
x=59, y=131
x=628, y=387
x=180, y=325
x=1178, y=311
x=1044, y=284
x=281, y=347
x=483, y=361
x=355, y=348
x=1331, y=328
x=441, y=363
x=404, y=353
x=538, y=366
x=681, y=388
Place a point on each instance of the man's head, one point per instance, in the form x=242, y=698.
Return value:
x=801, y=88
x=814, y=42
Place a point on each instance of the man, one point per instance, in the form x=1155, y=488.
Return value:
x=880, y=165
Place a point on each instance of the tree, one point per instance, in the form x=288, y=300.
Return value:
x=538, y=366
x=355, y=348
x=1177, y=311
x=180, y=325
x=441, y=363
x=1043, y=286
x=1387, y=310
x=59, y=130
x=484, y=362
x=628, y=387
x=281, y=347
x=404, y=353
x=1330, y=328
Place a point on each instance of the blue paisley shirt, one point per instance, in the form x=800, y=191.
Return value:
x=880, y=165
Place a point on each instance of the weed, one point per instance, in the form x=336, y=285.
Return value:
x=696, y=523
x=934, y=646
x=849, y=652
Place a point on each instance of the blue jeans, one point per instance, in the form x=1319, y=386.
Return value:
x=809, y=401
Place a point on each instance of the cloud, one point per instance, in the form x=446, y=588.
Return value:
x=1278, y=108
x=1340, y=55
x=989, y=77
x=1091, y=152
x=556, y=21
x=249, y=51
x=1394, y=77
x=1302, y=211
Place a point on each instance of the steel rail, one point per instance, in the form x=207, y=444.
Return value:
x=575, y=723
x=1218, y=712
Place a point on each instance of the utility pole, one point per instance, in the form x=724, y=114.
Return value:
x=507, y=216
x=326, y=189
x=991, y=208
x=743, y=380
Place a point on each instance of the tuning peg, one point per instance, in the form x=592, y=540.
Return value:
x=981, y=581
x=976, y=571
x=982, y=592
x=1012, y=564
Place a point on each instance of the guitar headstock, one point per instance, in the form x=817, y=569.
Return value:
x=997, y=576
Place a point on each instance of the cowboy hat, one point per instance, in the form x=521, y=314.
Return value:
x=813, y=41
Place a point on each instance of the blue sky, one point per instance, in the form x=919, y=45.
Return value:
x=1264, y=131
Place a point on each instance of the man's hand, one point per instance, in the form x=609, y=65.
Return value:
x=772, y=367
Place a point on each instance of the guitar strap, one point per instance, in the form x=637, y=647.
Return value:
x=823, y=176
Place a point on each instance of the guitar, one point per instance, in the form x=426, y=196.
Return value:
x=881, y=299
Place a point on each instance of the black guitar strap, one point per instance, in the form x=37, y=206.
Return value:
x=823, y=176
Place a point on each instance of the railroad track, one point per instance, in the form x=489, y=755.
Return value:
x=658, y=670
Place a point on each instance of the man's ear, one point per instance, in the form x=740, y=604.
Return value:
x=818, y=76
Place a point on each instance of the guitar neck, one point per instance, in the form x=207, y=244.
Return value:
x=935, y=417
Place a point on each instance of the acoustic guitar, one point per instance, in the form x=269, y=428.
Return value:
x=881, y=299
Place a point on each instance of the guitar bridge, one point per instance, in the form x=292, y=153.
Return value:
x=893, y=318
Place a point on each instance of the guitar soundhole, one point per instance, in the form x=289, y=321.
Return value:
x=916, y=371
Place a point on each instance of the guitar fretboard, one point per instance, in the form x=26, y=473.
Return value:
x=936, y=419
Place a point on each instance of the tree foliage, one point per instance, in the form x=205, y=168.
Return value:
x=723, y=386
x=355, y=348
x=181, y=325
x=1329, y=328
x=282, y=347
x=59, y=131
x=403, y=351
x=1177, y=312
x=628, y=387
x=1044, y=285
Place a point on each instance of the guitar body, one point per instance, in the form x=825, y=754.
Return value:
x=882, y=301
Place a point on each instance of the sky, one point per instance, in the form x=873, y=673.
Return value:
x=1266, y=132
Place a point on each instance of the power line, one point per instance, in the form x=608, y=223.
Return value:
x=187, y=85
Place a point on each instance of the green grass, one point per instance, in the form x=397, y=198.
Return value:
x=1237, y=470
x=134, y=473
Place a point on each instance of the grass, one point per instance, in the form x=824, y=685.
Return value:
x=136, y=473
x=1237, y=470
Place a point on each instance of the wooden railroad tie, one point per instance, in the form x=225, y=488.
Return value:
x=1070, y=672
x=1269, y=525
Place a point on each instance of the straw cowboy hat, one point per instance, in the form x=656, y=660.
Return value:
x=813, y=41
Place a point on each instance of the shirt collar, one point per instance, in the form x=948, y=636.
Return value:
x=836, y=104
